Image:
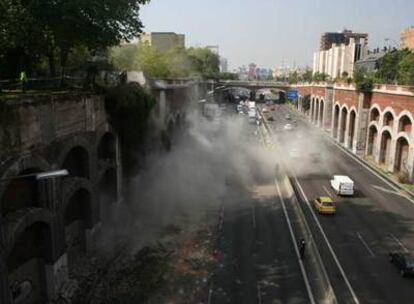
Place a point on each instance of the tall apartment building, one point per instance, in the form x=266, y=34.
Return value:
x=334, y=58
x=330, y=38
x=407, y=38
x=163, y=41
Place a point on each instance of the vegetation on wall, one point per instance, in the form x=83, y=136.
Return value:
x=396, y=67
x=363, y=82
x=129, y=107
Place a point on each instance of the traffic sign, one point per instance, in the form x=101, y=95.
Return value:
x=292, y=95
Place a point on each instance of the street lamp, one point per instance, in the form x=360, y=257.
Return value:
x=52, y=174
x=40, y=175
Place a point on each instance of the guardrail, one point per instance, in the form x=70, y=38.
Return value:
x=43, y=83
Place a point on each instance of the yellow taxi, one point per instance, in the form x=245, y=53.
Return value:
x=324, y=205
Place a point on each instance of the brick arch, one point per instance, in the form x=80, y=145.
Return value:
x=374, y=123
x=352, y=117
x=106, y=147
x=316, y=111
x=385, y=145
x=408, y=115
x=393, y=114
x=335, y=119
x=371, y=110
x=322, y=106
x=372, y=137
x=343, y=115
x=23, y=163
x=401, y=152
x=25, y=219
x=70, y=187
x=101, y=133
x=20, y=165
x=76, y=141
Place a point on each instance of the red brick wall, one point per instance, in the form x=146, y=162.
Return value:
x=397, y=102
x=318, y=91
x=350, y=98
x=304, y=91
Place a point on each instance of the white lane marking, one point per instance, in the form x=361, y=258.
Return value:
x=327, y=191
x=389, y=191
x=259, y=293
x=210, y=293
x=253, y=217
x=293, y=237
x=338, y=264
x=365, y=244
x=362, y=163
x=399, y=242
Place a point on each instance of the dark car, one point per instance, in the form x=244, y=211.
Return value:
x=404, y=262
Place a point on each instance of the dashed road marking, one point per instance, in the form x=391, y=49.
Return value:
x=399, y=242
x=365, y=244
x=327, y=191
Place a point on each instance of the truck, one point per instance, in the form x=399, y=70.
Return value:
x=252, y=105
x=342, y=185
x=252, y=115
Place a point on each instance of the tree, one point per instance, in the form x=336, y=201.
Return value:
x=151, y=62
x=204, y=62
x=406, y=70
x=60, y=26
x=293, y=77
x=318, y=77
x=123, y=57
x=363, y=81
x=389, y=65
x=178, y=62
x=229, y=76
x=307, y=76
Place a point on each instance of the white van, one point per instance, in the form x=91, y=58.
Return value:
x=342, y=185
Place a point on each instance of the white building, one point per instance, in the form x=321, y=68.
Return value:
x=340, y=58
x=224, y=65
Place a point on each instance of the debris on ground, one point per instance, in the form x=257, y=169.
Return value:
x=176, y=269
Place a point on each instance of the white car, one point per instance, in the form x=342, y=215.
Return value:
x=294, y=153
x=288, y=127
x=342, y=185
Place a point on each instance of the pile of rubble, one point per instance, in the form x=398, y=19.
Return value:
x=177, y=269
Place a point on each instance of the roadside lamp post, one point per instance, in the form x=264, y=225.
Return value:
x=39, y=176
x=48, y=184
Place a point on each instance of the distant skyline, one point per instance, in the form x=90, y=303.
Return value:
x=272, y=32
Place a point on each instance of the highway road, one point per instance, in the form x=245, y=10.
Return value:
x=378, y=219
x=258, y=262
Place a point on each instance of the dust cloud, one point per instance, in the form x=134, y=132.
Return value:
x=179, y=187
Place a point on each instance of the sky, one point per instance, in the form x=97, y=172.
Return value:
x=273, y=33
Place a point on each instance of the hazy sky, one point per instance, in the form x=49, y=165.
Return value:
x=272, y=32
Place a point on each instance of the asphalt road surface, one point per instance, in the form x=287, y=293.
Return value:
x=258, y=259
x=376, y=220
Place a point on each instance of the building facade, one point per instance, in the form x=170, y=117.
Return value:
x=407, y=38
x=376, y=125
x=163, y=41
x=335, y=59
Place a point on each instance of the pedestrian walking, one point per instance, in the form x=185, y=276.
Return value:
x=302, y=246
x=23, y=81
